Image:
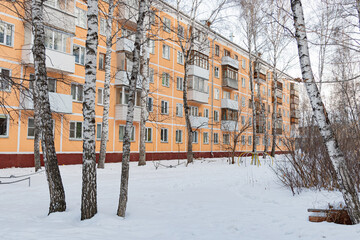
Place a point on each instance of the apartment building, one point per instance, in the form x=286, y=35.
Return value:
x=219, y=88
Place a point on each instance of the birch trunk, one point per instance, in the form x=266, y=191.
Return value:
x=89, y=188
x=144, y=95
x=140, y=29
x=37, y=131
x=105, y=121
x=56, y=189
x=251, y=77
x=190, y=155
x=274, y=117
x=337, y=158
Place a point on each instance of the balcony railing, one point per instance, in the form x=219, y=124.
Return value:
x=229, y=125
x=294, y=100
x=55, y=60
x=199, y=122
x=198, y=71
x=59, y=103
x=226, y=60
x=230, y=104
x=197, y=96
x=230, y=83
x=121, y=112
x=294, y=120
x=122, y=78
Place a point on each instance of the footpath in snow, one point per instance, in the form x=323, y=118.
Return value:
x=208, y=200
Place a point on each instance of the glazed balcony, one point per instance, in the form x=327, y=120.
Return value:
x=198, y=96
x=198, y=71
x=230, y=83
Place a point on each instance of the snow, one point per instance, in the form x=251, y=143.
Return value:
x=209, y=199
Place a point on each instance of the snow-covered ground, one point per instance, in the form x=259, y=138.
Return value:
x=206, y=200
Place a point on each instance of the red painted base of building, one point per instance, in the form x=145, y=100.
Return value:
x=27, y=160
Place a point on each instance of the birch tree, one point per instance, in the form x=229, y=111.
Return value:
x=105, y=121
x=89, y=188
x=336, y=155
x=42, y=109
x=139, y=35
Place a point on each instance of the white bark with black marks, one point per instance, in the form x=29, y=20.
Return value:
x=140, y=29
x=346, y=184
x=56, y=189
x=89, y=187
x=105, y=121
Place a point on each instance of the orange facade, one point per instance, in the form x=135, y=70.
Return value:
x=214, y=100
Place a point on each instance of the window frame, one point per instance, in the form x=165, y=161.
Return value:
x=133, y=133
x=75, y=132
x=7, y=125
x=180, y=112
x=163, y=131
x=103, y=61
x=207, y=138
x=167, y=79
x=6, y=24
x=82, y=53
x=166, y=24
x=102, y=97
x=178, y=133
x=216, y=138
x=77, y=92
x=147, y=134
x=179, y=87
x=82, y=24
x=165, y=107
x=166, y=49
x=97, y=132
x=9, y=83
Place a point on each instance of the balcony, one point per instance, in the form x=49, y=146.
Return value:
x=226, y=60
x=295, y=114
x=197, y=96
x=127, y=45
x=198, y=71
x=278, y=93
x=59, y=103
x=122, y=78
x=278, y=131
x=230, y=104
x=62, y=19
x=279, y=100
x=121, y=112
x=229, y=125
x=202, y=48
x=230, y=83
x=294, y=120
x=294, y=100
x=199, y=122
x=55, y=60
x=260, y=129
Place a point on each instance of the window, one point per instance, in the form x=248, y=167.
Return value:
x=52, y=84
x=102, y=26
x=79, y=53
x=6, y=33
x=4, y=125
x=81, y=18
x=179, y=110
x=57, y=4
x=164, y=107
x=243, y=84
x=101, y=61
x=226, y=138
x=178, y=136
x=242, y=120
x=216, y=116
x=195, y=137
x=166, y=24
x=98, y=131
x=243, y=101
x=31, y=127
x=179, y=83
x=100, y=96
x=180, y=31
x=180, y=57
x=206, y=138
x=216, y=138
x=148, y=134
x=243, y=142
x=243, y=63
x=152, y=17
x=227, y=53
x=164, y=135
x=4, y=79
x=269, y=93
x=226, y=95
x=217, y=50
x=236, y=97
x=250, y=121
x=236, y=57
x=269, y=76
x=206, y=112
x=198, y=84
x=151, y=46
x=217, y=93
x=150, y=104
x=264, y=92
x=58, y=41
x=250, y=140
x=199, y=59
x=165, y=79
x=166, y=52
x=76, y=130
x=216, y=72
x=257, y=140
x=122, y=133
x=151, y=75
x=194, y=111
x=77, y=92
